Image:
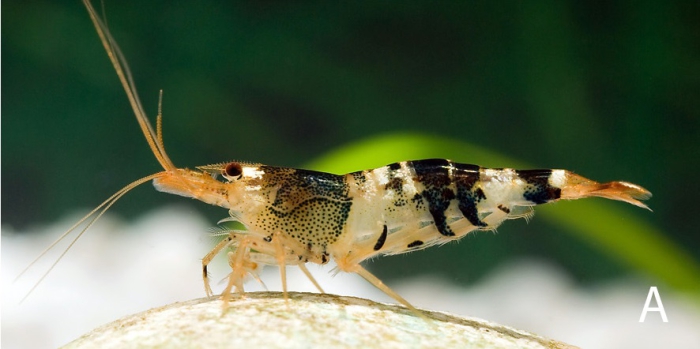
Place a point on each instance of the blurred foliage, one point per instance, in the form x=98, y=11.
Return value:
x=606, y=89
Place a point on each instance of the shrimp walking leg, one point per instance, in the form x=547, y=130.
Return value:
x=281, y=262
x=310, y=277
x=208, y=258
x=239, y=261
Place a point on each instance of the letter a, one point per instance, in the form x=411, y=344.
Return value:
x=660, y=307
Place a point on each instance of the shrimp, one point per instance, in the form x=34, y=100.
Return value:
x=291, y=217
x=294, y=216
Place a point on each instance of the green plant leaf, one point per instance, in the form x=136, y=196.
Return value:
x=608, y=226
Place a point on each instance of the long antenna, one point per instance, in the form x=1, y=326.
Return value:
x=122, y=67
x=97, y=213
x=154, y=139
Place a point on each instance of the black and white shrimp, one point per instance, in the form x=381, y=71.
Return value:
x=294, y=216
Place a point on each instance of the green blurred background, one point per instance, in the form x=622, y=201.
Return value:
x=606, y=89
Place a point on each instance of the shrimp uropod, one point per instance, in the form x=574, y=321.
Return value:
x=294, y=216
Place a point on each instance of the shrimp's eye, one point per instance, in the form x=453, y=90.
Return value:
x=233, y=169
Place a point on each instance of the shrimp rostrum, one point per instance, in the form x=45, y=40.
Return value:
x=293, y=216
